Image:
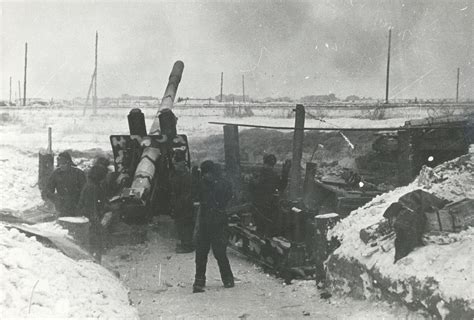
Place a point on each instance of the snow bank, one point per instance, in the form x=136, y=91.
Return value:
x=19, y=176
x=445, y=266
x=40, y=282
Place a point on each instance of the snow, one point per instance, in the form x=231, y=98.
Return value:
x=40, y=282
x=449, y=262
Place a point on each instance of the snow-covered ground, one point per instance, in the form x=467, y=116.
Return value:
x=40, y=282
x=26, y=133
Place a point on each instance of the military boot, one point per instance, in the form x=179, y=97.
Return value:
x=229, y=283
x=199, y=285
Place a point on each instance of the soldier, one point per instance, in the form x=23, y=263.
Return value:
x=93, y=204
x=64, y=186
x=182, y=202
x=265, y=189
x=214, y=194
x=109, y=183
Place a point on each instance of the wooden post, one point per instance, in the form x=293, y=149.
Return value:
x=298, y=137
x=388, y=64
x=50, y=140
x=24, y=78
x=222, y=83
x=231, y=149
x=94, y=99
x=46, y=163
x=457, y=88
x=232, y=155
x=10, y=101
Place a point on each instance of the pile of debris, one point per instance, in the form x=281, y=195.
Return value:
x=413, y=244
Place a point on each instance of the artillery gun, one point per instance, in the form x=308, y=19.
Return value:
x=143, y=161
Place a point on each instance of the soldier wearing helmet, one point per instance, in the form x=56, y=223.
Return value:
x=214, y=194
x=64, y=186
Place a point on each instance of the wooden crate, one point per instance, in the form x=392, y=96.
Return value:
x=453, y=217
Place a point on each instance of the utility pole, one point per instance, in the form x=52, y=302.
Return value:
x=10, y=100
x=457, y=88
x=222, y=83
x=24, y=78
x=388, y=64
x=19, y=93
x=94, y=98
x=243, y=89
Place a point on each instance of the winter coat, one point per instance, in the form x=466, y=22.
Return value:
x=214, y=195
x=266, y=185
x=93, y=203
x=64, y=188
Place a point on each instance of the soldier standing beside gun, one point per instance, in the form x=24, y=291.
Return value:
x=266, y=188
x=64, y=186
x=182, y=202
x=93, y=204
x=214, y=194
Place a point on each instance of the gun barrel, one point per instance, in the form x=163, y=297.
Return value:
x=145, y=171
x=169, y=95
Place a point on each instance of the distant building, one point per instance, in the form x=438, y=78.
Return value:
x=319, y=98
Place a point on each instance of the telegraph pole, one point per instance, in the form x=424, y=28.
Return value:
x=222, y=83
x=19, y=93
x=94, y=98
x=388, y=64
x=24, y=78
x=457, y=88
x=10, y=101
x=243, y=89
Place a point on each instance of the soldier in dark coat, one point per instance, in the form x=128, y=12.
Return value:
x=93, y=204
x=214, y=194
x=110, y=185
x=266, y=189
x=182, y=202
x=64, y=186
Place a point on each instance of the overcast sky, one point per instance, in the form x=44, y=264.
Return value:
x=284, y=48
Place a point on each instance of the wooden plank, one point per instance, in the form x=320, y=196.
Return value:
x=65, y=245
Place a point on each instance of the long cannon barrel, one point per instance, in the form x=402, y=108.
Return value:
x=169, y=95
x=146, y=168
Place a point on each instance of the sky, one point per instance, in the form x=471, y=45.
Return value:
x=282, y=48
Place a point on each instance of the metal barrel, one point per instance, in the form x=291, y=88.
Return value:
x=146, y=167
x=169, y=95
